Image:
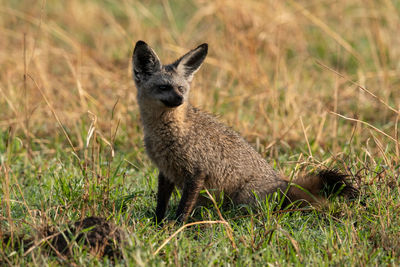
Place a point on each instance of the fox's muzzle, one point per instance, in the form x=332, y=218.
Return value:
x=174, y=101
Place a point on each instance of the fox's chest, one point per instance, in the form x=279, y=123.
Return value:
x=170, y=154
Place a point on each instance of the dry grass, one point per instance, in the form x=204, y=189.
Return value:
x=262, y=74
x=307, y=82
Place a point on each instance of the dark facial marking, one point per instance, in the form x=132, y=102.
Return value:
x=164, y=87
x=174, y=101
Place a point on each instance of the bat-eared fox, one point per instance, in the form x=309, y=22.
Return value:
x=193, y=151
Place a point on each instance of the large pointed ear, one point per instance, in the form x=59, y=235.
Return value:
x=144, y=62
x=190, y=63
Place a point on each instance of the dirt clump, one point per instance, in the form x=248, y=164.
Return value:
x=100, y=237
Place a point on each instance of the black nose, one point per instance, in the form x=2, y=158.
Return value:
x=174, y=101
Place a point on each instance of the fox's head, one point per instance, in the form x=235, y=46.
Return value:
x=164, y=86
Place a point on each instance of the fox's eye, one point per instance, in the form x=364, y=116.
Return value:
x=180, y=89
x=163, y=87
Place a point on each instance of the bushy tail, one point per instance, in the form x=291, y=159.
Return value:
x=315, y=188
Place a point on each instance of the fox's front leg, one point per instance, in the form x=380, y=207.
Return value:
x=165, y=188
x=191, y=190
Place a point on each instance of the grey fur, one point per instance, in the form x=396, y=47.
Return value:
x=191, y=149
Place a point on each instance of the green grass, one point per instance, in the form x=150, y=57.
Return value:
x=264, y=73
x=362, y=232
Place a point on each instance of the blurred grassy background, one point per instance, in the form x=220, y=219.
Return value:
x=265, y=69
x=277, y=71
x=264, y=72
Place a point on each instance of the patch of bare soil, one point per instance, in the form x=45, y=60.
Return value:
x=100, y=237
